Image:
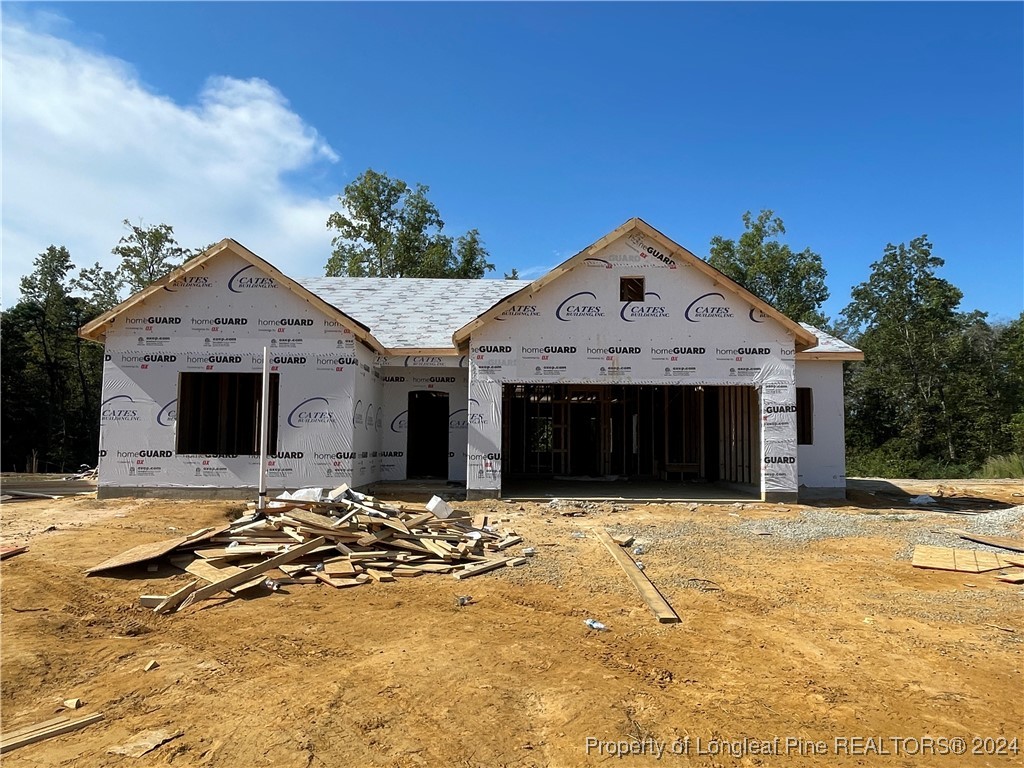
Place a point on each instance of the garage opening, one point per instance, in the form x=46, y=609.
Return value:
x=427, y=435
x=674, y=433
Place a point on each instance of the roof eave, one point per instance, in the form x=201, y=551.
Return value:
x=840, y=356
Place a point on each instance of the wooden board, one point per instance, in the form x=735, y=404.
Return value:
x=140, y=554
x=266, y=565
x=9, y=744
x=176, y=598
x=203, y=534
x=337, y=583
x=650, y=594
x=484, y=567
x=6, y=552
x=26, y=729
x=1002, y=542
x=961, y=560
x=211, y=573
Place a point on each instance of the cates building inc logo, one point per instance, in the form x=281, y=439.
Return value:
x=241, y=281
x=710, y=306
x=119, y=409
x=168, y=414
x=310, y=412
x=579, y=306
x=520, y=310
x=188, y=281
x=645, y=310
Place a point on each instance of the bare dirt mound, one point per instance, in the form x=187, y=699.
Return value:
x=798, y=622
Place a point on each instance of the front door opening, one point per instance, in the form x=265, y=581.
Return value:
x=427, y=447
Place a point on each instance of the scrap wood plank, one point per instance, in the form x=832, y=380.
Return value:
x=435, y=567
x=27, y=729
x=55, y=730
x=207, y=533
x=409, y=545
x=1002, y=542
x=379, y=576
x=336, y=582
x=140, y=554
x=650, y=594
x=417, y=520
x=211, y=573
x=311, y=519
x=175, y=599
x=1012, y=578
x=266, y=565
x=406, y=571
x=961, y=560
x=478, y=568
x=240, y=552
x=373, y=538
x=508, y=542
x=6, y=552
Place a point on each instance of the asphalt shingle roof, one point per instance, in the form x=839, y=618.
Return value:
x=411, y=311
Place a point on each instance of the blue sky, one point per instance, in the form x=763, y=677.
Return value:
x=542, y=125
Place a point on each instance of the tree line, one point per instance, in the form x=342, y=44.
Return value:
x=939, y=394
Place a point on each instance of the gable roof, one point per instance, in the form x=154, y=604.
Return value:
x=804, y=338
x=95, y=330
x=412, y=315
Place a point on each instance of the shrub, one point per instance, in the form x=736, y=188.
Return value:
x=999, y=467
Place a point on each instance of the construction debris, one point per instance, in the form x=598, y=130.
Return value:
x=963, y=560
x=343, y=539
x=655, y=600
x=144, y=743
x=11, y=740
x=6, y=552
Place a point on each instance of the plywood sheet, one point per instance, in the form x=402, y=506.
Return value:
x=962, y=560
x=140, y=554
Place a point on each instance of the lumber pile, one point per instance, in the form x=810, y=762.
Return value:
x=344, y=539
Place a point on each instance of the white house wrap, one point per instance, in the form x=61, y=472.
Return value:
x=634, y=358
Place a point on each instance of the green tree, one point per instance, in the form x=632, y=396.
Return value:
x=471, y=256
x=51, y=379
x=386, y=228
x=922, y=401
x=100, y=287
x=147, y=254
x=1008, y=364
x=793, y=283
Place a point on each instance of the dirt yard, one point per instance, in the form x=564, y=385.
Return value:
x=805, y=631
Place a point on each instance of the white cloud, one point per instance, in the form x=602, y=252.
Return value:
x=86, y=145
